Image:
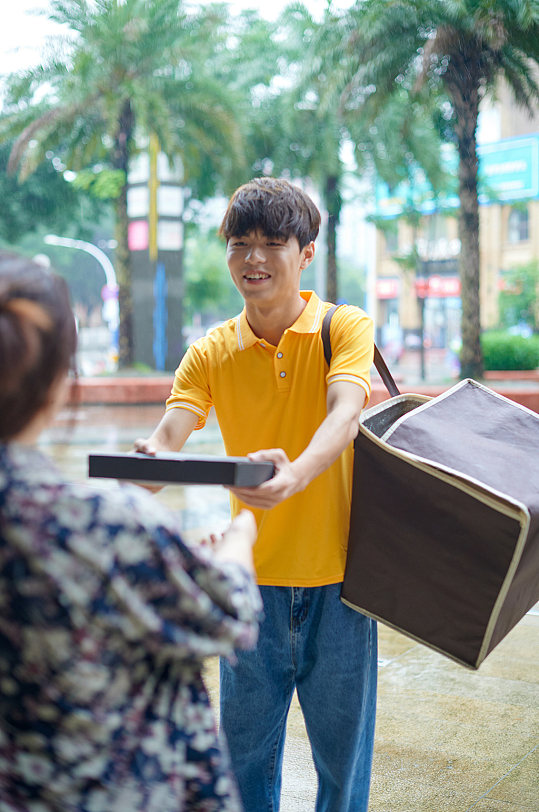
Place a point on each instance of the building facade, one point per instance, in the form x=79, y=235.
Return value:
x=417, y=287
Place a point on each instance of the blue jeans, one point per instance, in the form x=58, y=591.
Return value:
x=309, y=640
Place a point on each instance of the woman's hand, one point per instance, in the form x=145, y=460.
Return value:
x=236, y=543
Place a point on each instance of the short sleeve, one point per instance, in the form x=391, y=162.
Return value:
x=352, y=347
x=191, y=389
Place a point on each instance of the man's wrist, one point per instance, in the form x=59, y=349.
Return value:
x=300, y=474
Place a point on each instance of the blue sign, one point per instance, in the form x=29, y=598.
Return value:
x=160, y=317
x=508, y=171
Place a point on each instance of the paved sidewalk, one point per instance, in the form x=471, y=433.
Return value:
x=447, y=739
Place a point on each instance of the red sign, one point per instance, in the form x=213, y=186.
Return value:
x=437, y=287
x=138, y=235
x=387, y=288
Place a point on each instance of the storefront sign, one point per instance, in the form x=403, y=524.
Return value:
x=437, y=287
x=387, y=288
x=509, y=169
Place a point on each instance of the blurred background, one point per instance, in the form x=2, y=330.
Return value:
x=125, y=124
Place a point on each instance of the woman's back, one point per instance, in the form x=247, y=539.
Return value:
x=105, y=618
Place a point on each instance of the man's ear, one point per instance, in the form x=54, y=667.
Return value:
x=307, y=254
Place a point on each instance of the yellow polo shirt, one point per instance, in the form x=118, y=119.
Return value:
x=275, y=397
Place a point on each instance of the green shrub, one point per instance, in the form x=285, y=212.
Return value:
x=502, y=350
x=518, y=299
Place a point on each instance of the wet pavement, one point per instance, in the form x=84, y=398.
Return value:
x=447, y=739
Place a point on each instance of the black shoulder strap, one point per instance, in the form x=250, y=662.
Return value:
x=385, y=374
x=326, y=340
x=379, y=362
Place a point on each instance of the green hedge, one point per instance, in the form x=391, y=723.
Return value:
x=502, y=350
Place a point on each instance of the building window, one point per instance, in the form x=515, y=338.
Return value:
x=436, y=228
x=518, y=225
x=392, y=240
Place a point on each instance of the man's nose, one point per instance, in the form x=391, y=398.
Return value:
x=255, y=254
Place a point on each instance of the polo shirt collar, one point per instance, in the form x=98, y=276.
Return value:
x=244, y=334
x=309, y=322
x=311, y=319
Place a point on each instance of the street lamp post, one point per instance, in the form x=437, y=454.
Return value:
x=109, y=292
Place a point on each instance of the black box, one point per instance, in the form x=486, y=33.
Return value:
x=240, y=472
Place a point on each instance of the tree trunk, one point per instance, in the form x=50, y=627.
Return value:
x=123, y=273
x=123, y=267
x=333, y=206
x=463, y=82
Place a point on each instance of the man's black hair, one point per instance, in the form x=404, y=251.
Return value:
x=273, y=206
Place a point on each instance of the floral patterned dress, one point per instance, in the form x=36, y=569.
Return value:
x=106, y=616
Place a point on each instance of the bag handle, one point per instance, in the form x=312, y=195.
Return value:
x=379, y=362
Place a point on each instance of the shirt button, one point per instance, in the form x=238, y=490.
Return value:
x=282, y=374
x=262, y=344
x=279, y=355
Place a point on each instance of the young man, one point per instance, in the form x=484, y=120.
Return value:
x=275, y=399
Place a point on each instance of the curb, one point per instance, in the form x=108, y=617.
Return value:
x=122, y=391
x=145, y=391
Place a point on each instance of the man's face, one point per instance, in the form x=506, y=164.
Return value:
x=267, y=270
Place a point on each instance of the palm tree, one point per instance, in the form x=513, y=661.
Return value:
x=127, y=67
x=303, y=129
x=456, y=51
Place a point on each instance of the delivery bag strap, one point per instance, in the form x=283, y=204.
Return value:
x=379, y=361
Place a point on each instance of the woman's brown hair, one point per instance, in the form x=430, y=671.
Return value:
x=38, y=339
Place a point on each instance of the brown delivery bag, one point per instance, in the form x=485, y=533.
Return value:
x=444, y=530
